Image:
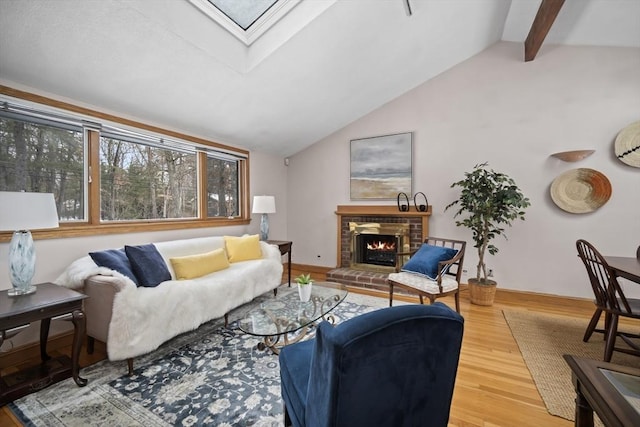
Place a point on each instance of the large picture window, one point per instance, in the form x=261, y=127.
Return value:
x=109, y=176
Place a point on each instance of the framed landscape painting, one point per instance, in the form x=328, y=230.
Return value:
x=381, y=167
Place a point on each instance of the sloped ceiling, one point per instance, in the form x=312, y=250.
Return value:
x=323, y=66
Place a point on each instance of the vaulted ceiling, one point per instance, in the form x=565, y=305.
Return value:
x=322, y=66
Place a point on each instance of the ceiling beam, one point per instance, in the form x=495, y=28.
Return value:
x=545, y=17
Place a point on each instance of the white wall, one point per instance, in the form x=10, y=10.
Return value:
x=269, y=177
x=495, y=107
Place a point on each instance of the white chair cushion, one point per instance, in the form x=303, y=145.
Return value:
x=424, y=284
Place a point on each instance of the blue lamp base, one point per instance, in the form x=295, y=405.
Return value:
x=264, y=227
x=22, y=263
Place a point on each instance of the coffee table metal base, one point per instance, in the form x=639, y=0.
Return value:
x=281, y=339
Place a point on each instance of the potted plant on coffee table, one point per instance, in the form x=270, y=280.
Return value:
x=304, y=282
x=489, y=201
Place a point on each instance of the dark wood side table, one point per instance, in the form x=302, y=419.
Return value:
x=49, y=301
x=285, y=248
x=596, y=392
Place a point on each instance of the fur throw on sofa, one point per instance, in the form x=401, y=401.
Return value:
x=77, y=272
x=143, y=318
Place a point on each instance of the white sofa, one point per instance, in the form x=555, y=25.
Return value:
x=136, y=320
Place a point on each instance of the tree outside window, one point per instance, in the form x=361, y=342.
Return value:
x=143, y=182
x=222, y=188
x=44, y=159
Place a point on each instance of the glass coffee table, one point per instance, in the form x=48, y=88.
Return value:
x=284, y=319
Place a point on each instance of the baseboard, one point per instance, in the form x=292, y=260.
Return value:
x=304, y=268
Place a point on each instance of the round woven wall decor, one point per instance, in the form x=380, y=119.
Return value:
x=580, y=190
x=627, y=145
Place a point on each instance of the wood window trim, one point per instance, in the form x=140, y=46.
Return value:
x=93, y=186
x=81, y=230
x=93, y=225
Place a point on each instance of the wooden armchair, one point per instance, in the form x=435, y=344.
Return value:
x=433, y=271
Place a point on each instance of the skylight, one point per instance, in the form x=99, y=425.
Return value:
x=243, y=13
x=246, y=20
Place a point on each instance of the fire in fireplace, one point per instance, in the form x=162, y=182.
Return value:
x=377, y=249
x=374, y=245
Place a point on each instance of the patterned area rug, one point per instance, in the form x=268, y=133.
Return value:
x=543, y=339
x=212, y=376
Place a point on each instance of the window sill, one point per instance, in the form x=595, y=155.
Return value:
x=80, y=230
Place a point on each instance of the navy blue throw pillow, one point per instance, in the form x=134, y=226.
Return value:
x=425, y=261
x=115, y=259
x=148, y=265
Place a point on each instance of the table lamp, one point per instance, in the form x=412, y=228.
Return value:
x=264, y=205
x=21, y=212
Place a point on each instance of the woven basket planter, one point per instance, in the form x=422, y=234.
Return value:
x=482, y=294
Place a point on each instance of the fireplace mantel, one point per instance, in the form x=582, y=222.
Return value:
x=379, y=211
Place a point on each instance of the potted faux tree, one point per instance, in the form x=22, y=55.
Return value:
x=304, y=282
x=489, y=201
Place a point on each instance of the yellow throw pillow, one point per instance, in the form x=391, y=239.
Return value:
x=243, y=248
x=190, y=267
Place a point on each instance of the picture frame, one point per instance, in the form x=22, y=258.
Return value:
x=381, y=167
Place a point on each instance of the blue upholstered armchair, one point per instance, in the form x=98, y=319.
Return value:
x=392, y=367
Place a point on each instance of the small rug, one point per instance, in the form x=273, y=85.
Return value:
x=211, y=376
x=543, y=339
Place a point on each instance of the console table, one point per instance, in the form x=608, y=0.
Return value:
x=48, y=302
x=285, y=248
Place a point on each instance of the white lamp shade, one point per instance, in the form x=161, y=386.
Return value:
x=27, y=211
x=264, y=204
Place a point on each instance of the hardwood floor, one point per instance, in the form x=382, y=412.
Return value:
x=493, y=385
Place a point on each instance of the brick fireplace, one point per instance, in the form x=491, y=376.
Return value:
x=407, y=229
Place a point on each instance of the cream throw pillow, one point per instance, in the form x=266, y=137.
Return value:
x=243, y=248
x=190, y=267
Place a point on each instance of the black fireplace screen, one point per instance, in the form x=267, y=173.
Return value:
x=376, y=249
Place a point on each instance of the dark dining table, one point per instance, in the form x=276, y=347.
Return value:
x=627, y=267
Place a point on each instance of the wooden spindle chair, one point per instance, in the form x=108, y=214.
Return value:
x=610, y=299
